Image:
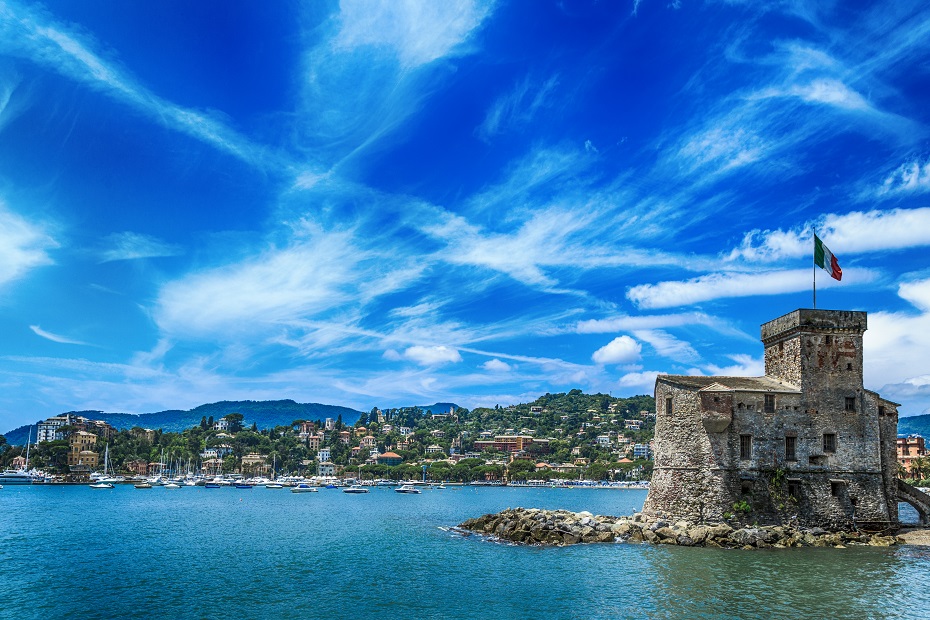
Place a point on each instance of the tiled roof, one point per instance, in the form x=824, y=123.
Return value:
x=742, y=384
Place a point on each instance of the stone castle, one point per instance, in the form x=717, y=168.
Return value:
x=806, y=444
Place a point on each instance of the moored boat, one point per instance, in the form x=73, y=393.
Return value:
x=407, y=488
x=304, y=487
x=102, y=485
x=355, y=488
x=143, y=485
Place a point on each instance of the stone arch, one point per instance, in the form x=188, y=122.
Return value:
x=916, y=498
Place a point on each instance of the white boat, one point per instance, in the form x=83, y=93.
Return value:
x=407, y=488
x=172, y=485
x=304, y=487
x=274, y=485
x=15, y=476
x=102, y=485
x=19, y=476
x=143, y=485
x=355, y=488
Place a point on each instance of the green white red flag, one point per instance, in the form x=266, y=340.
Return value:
x=825, y=259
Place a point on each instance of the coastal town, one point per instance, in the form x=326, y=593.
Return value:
x=558, y=439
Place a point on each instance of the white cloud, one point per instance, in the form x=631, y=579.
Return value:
x=303, y=280
x=620, y=350
x=419, y=31
x=24, y=246
x=644, y=381
x=53, y=337
x=392, y=355
x=496, y=365
x=911, y=177
x=728, y=284
x=517, y=108
x=831, y=92
x=745, y=366
x=432, y=355
x=667, y=345
x=848, y=233
x=630, y=323
x=130, y=245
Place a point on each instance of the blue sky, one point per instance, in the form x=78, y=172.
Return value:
x=374, y=204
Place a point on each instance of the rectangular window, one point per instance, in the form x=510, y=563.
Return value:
x=794, y=489
x=745, y=447
x=850, y=403
x=668, y=405
x=769, y=403
x=829, y=442
x=881, y=410
x=836, y=488
x=791, y=448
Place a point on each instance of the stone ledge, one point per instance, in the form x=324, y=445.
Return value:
x=534, y=526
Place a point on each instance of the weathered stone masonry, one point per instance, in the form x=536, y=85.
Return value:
x=805, y=444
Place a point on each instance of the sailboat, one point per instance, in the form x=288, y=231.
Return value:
x=108, y=473
x=19, y=476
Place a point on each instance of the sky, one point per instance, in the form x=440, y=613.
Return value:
x=386, y=204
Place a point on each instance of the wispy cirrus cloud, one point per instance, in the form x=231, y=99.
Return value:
x=667, y=345
x=24, y=245
x=417, y=32
x=517, y=108
x=673, y=294
x=131, y=246
x=31, y=33
x=38, y=331
x=912, y=177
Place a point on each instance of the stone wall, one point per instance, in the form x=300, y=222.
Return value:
x=699, y=473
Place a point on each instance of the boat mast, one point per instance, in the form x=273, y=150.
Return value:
x=28, y=445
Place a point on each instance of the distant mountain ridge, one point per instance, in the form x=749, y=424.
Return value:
x=264, y=413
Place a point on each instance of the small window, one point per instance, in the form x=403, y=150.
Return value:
x=881, y=410
x=829, y=442
x=828, y=340
x=836, y=488
x=745, y=447
x=746, y=487
x=769, y=403
x=849, y=366
x=791, y=448
x=781, y=345
x=668, y=405
x=794, y=489
x=850, y=403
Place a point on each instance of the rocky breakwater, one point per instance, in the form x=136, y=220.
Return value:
x=533, y=526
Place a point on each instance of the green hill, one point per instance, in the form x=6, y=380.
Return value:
x=915, y=424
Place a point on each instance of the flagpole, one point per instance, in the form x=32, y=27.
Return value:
x=815, y=273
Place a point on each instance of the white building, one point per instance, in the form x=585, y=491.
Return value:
x=323, y=455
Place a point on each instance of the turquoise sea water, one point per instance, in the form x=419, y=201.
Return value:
x=226, y=553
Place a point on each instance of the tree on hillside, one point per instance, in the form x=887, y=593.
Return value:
x=235, y=422
x=203, y=423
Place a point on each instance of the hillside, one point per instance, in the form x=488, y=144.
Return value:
x=264, y=414
x=917, y=424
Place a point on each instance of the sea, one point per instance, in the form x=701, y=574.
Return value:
x=77, y=552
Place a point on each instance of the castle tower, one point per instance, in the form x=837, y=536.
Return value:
x=819, y=351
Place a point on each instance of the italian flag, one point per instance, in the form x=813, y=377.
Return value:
x=824, y=259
